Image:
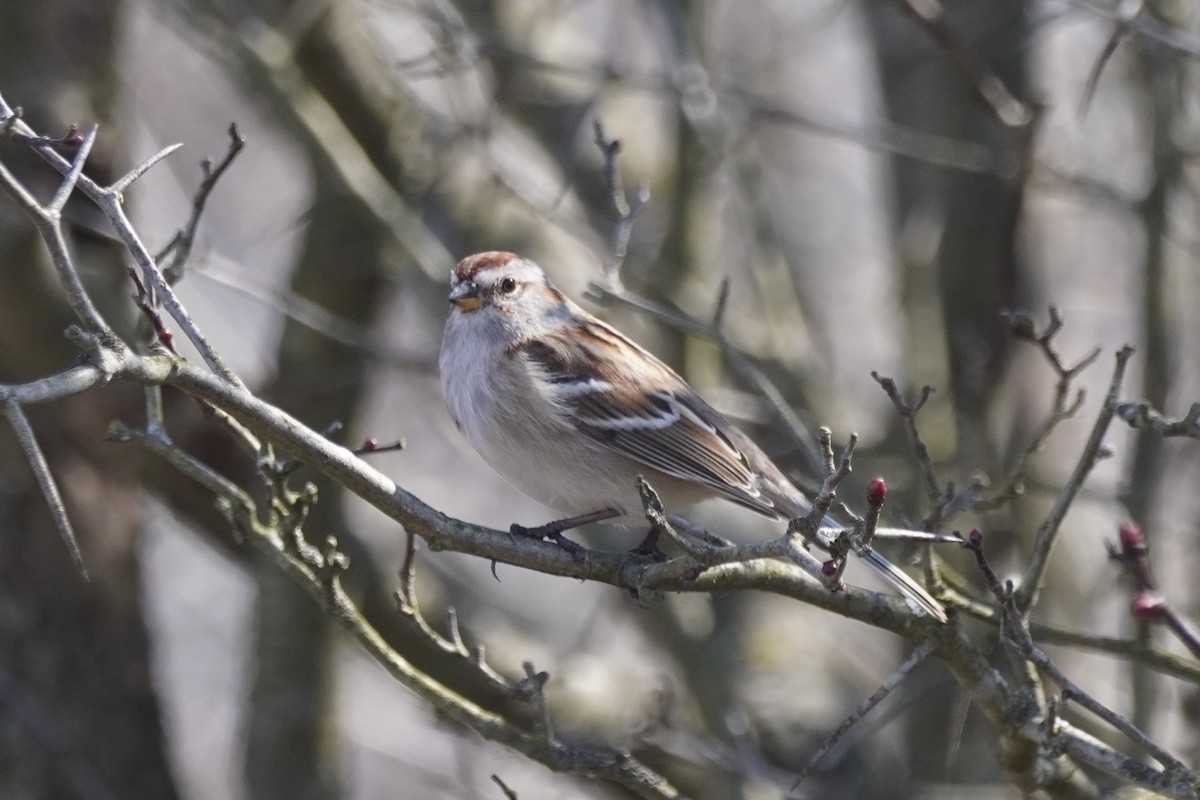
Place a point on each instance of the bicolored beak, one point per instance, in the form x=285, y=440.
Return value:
x=466, y=296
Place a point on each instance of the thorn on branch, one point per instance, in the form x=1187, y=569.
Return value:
x=509, y=794
x=126, y=180
x=36, y=459
x=372, y=446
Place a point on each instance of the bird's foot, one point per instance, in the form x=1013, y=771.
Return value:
x=649, y=547
x=553, y=530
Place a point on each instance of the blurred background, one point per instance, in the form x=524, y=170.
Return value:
x=871, y=208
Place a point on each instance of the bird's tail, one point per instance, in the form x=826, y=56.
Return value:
x=793, y=502
x=907, y=586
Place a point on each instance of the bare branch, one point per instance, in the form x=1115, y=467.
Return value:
x=1093, y=452
x=1014, y=626
x=180, y=246
x=1143, y=417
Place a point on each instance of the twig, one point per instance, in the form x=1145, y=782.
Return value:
x=1093, y=452
x=1145, y=25
x=1143, y=417
x=908, y=414
x=1021, y=326
x=371, y=447
x=180, y=246
x=626, y=212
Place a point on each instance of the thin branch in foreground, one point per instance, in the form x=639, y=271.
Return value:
x=41, y=471
x=865, y=707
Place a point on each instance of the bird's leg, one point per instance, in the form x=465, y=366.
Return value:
x=553, y=530
x=649, y=546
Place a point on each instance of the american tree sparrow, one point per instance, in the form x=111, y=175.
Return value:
x=570, y=411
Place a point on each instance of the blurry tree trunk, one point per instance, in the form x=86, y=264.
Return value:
x=291, y=750
x=79, y=716
x=971, y=214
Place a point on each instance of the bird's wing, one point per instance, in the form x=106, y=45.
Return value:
x=653, y=416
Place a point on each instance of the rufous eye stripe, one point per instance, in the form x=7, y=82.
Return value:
x=471, y=266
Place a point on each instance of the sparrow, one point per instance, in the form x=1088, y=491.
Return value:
x=570, y=411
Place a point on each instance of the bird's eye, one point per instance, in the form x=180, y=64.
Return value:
x=508, y=285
